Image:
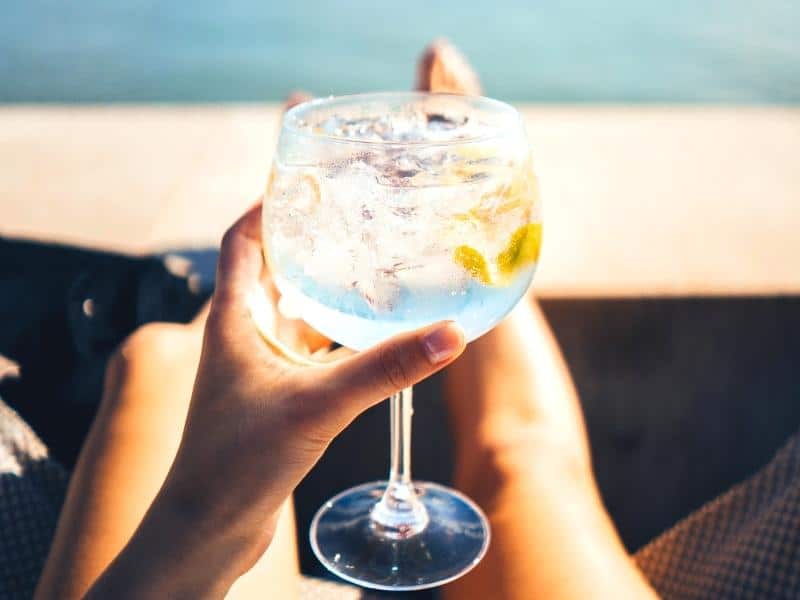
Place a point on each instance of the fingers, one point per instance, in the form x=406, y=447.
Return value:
x=244, y=287
x=370, y=376
x=240, y=259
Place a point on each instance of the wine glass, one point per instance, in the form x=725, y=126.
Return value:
x=383, y=213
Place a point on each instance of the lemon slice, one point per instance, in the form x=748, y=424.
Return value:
x=474, y=263
x=307, y=187
x=303, y=188
x=522, y=249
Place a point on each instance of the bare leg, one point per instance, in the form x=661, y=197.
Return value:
x=521, y=446
x=123, y=463
x=522, y=454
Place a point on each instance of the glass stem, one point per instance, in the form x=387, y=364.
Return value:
x=400, y=514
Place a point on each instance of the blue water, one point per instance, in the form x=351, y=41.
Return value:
x=730, y=51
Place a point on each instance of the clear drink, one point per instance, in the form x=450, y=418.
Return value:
x=384, y=213
x=401, y=222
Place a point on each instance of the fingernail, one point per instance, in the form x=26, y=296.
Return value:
x=443, y=343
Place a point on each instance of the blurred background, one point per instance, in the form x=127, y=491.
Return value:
x=732, y=51
x=666, y=137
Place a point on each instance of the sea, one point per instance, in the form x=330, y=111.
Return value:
x=565, y=51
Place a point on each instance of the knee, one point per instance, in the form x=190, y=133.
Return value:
x=156, y=359
x=152, y=345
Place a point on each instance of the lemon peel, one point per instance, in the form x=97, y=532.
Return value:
x=270, y=183
x=311, y=181
x=304, y=186
x=522, y=249
x=473, y=262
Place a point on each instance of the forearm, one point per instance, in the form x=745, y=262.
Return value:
x=176, y=553
x=181, y=550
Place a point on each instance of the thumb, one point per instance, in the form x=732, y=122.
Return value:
x=370, y=376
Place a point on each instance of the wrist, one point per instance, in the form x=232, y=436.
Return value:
x=180, y=550
x=219, y=544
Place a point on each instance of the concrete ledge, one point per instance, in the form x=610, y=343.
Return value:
x=638, y=200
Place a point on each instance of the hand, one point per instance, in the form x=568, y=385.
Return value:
x=257, y=423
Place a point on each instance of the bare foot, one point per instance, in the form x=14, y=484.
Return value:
x=443, y=68
x=296, y=97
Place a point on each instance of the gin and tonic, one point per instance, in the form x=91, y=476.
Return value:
x=384, y=213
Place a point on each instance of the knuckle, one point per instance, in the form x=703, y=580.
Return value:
x=315, y=416
x=216, y=330
x=228, y=236
x=222, y=333
x=394, y=368
x=298, y=408
x=304, y=403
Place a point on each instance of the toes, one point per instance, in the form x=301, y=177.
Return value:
x=296, y=97
x=443, y=68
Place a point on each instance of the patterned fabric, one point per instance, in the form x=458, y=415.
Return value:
x=743, y=545
x=32, y=488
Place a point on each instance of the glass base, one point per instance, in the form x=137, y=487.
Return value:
x=348, y=543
